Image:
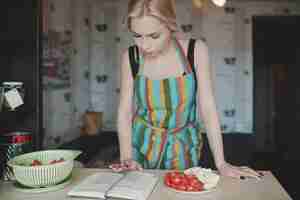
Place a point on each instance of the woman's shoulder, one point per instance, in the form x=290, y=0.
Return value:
x=201, y=52
x=200, y=45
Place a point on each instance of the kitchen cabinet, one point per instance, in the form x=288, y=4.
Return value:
x=20, y=61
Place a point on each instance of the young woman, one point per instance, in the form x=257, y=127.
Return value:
x=163, y=95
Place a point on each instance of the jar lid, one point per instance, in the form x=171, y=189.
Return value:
x=17, y=133
x=12, y=83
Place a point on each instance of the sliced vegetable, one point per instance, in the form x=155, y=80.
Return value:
x=183, y=182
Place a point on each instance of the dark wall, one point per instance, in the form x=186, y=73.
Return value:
x=274, y=38
x=276, y=50
x=20, y=60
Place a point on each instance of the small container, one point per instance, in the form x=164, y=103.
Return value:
x=13, y=144
x=7, y=86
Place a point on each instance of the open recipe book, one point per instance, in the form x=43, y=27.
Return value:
x=133, y=185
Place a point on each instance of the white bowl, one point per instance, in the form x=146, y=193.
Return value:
x=46, y=174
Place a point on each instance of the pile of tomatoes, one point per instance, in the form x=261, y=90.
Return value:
x=183, y=182
x=37, y=162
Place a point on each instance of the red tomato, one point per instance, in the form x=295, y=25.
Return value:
x=193, y=180
x=185, y=180
x=168, y=181
x=56, y=161
x=52, y=162
x=60, y=160
x=177, y=180
x=182, y=182
x=196, y=184
x=36, y=163
x=198, y=187
x=181, y=187
x=191, y=176
x=190, y=188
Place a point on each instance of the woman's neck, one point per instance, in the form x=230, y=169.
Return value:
x=167, y=49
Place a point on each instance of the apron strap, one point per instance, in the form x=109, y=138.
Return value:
x=190, y=55
x=134, y=60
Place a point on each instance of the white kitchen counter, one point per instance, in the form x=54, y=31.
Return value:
x=228, y=189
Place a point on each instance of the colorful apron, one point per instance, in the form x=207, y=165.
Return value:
x=165, y=128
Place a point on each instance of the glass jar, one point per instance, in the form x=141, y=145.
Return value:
x=13, y=144
x=6, y=87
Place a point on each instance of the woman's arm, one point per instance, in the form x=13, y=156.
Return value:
x=125, y=109
x=208, y=112
x=206, y=102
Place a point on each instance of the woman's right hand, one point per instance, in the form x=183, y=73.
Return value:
x=126, y=165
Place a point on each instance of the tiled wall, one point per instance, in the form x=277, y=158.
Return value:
x=98, y=38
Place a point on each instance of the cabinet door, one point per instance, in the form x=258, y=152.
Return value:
x=20, y=53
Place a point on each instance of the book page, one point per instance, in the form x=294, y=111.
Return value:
x=96, y=185
x=134, y=185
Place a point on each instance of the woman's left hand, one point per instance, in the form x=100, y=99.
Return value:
x=242, y=172
x=126, y=165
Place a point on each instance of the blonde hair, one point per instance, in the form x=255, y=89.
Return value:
x=163, y=10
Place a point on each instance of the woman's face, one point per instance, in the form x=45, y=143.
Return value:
x=151, y=35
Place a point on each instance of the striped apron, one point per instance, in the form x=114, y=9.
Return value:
x=165, y=127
